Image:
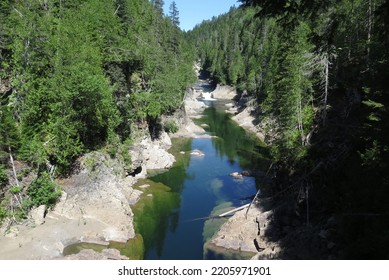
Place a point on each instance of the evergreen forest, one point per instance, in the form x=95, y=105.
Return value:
x=78, y=75
x=317, y=76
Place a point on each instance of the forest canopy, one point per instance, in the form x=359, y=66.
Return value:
x=81, y=73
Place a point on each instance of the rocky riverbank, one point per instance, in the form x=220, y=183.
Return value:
x=193, y=109
x=95, y=206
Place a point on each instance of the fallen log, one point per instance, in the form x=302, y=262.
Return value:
x=234, y=210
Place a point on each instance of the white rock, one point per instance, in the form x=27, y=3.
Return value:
x=224, y=92
x=236, y=175
x=38, y=214
x=197, y=153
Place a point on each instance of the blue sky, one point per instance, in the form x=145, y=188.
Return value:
x=193, y=12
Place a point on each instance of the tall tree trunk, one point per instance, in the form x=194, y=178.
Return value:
x=13, y=166
x=326, y=62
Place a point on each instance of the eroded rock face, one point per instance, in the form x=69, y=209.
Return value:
x=38, y=214
x=100, y=192
x=153, y=154
x=245, y=234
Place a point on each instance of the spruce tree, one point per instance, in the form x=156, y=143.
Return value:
x=158, y=4
x=174, y=14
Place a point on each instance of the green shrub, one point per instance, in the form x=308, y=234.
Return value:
x=111, y=150
x=20, y=214
x=43, y=191
x=3, y=214
x=124, y=153
x=171, y=127
x=90, y=162
x=15, y=189
x=23, y=173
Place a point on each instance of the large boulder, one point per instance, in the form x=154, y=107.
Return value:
x=37, y=214
x=224, y=92
x=154, y=153
x=243, y=233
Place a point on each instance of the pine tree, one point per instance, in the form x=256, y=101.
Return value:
x=174, y=14
x=158, y=4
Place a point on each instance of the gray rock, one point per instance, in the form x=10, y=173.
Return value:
x=155, y=155
x=38, y=214
x=224, y=92
x=113, y=254
x=164, y=141
x=102, y=196
x=239, y=232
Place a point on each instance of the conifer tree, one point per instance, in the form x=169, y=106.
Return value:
x=174, y=14
x=158, y=4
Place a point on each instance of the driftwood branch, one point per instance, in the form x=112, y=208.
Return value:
x=252, y=201
x=13, y=166
x=19, y=13
x=223, y=215
x=234, y=210
x=117, y=9
x=18, y=199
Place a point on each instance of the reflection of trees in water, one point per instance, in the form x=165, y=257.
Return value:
x=153, y=216
x=176, y=176
x=233, y=142
x=160, y=213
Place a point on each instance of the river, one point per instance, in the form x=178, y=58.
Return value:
x=173, y=221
